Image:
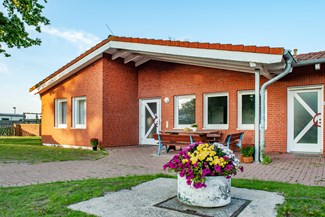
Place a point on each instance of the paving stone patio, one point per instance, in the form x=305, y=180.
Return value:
x=136, y=160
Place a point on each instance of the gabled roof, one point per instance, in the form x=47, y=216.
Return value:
x=310, y=56
x=141, y=50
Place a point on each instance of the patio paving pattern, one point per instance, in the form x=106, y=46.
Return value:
x=137, y=160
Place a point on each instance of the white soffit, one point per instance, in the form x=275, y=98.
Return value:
x=141, y=53
x=198, y=52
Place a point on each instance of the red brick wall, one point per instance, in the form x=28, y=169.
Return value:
x=160, y=80
x=87, y=82
x=120, y=103
x=157, y=79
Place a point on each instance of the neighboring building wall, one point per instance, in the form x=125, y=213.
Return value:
x=27, y=129
x=120, y=103
x=158, y=79
x=88, y=82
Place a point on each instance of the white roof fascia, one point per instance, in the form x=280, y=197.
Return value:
x=199, y=52
x=90, y=58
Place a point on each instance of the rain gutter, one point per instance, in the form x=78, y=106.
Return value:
x=309, y=62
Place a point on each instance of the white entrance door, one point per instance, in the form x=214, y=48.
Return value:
x=305, y=115
x=149, y=120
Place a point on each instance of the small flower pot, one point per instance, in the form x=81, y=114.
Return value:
x=246, y=159
x=194, y=129
x=95, y=148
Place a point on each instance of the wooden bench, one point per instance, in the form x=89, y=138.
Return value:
x=234, y=139
x=178, y=140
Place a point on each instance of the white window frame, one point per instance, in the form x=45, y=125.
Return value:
x=205, y=112
x=176, y=102
x=241, y=126
x=58, y=113
x=75, y=111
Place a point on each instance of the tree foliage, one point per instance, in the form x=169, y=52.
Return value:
x=16, y=16
x=186, y=114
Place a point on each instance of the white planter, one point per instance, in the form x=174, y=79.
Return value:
x=217, y=192
x=194, y=129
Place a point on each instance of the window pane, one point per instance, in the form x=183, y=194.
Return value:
x=81, y=111
x=63, y=113
x=186, y=111
x=248, y=109
x=217, y=110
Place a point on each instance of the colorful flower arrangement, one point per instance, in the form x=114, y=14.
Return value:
x=197, y=161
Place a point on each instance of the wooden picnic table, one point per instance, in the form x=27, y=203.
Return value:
x=206, y=135
x=177, y=137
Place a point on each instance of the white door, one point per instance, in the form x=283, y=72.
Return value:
x=149, y=120
x=305, y=115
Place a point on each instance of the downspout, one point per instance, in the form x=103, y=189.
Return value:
x=289, y=61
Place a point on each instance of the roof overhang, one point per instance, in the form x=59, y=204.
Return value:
x=139, y=53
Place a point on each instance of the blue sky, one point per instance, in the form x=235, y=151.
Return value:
x=78, y=25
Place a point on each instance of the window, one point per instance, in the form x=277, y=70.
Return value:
x=216, y=111
x=79, y=112
x=61, y=113
x=246, y=109
x=184, y=111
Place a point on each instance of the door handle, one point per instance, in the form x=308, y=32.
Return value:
x=315, y=122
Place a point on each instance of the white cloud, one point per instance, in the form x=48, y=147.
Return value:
x=3, y=68
x=83, y=40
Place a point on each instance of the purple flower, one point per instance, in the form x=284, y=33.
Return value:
x=228, y=167
x=182, y=173
x=217, y=168
x=241, y=169
x=206, y=172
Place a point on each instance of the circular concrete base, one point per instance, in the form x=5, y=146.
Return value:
x=216, y=194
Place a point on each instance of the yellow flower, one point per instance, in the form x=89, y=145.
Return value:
x=184, y=161
x=193, y=160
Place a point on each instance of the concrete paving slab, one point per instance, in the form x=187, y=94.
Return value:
x=140, y=201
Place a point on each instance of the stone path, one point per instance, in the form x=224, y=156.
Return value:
x=307, y=170
x=143, y=198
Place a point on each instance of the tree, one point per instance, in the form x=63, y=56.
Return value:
x=18, y=14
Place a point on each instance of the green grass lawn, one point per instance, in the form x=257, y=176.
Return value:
x=30, y=150
x=52, y=199
x=300, y=200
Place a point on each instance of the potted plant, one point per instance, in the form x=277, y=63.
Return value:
x=94, y=143
x=247, y=154
x=194, y=127
x=204, y=172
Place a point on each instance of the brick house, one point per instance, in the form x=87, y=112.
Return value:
x=116, y=89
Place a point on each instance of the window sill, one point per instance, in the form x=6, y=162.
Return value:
x=60, y=127
x=215, y=128
x=243, y=128
x=78, y=128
